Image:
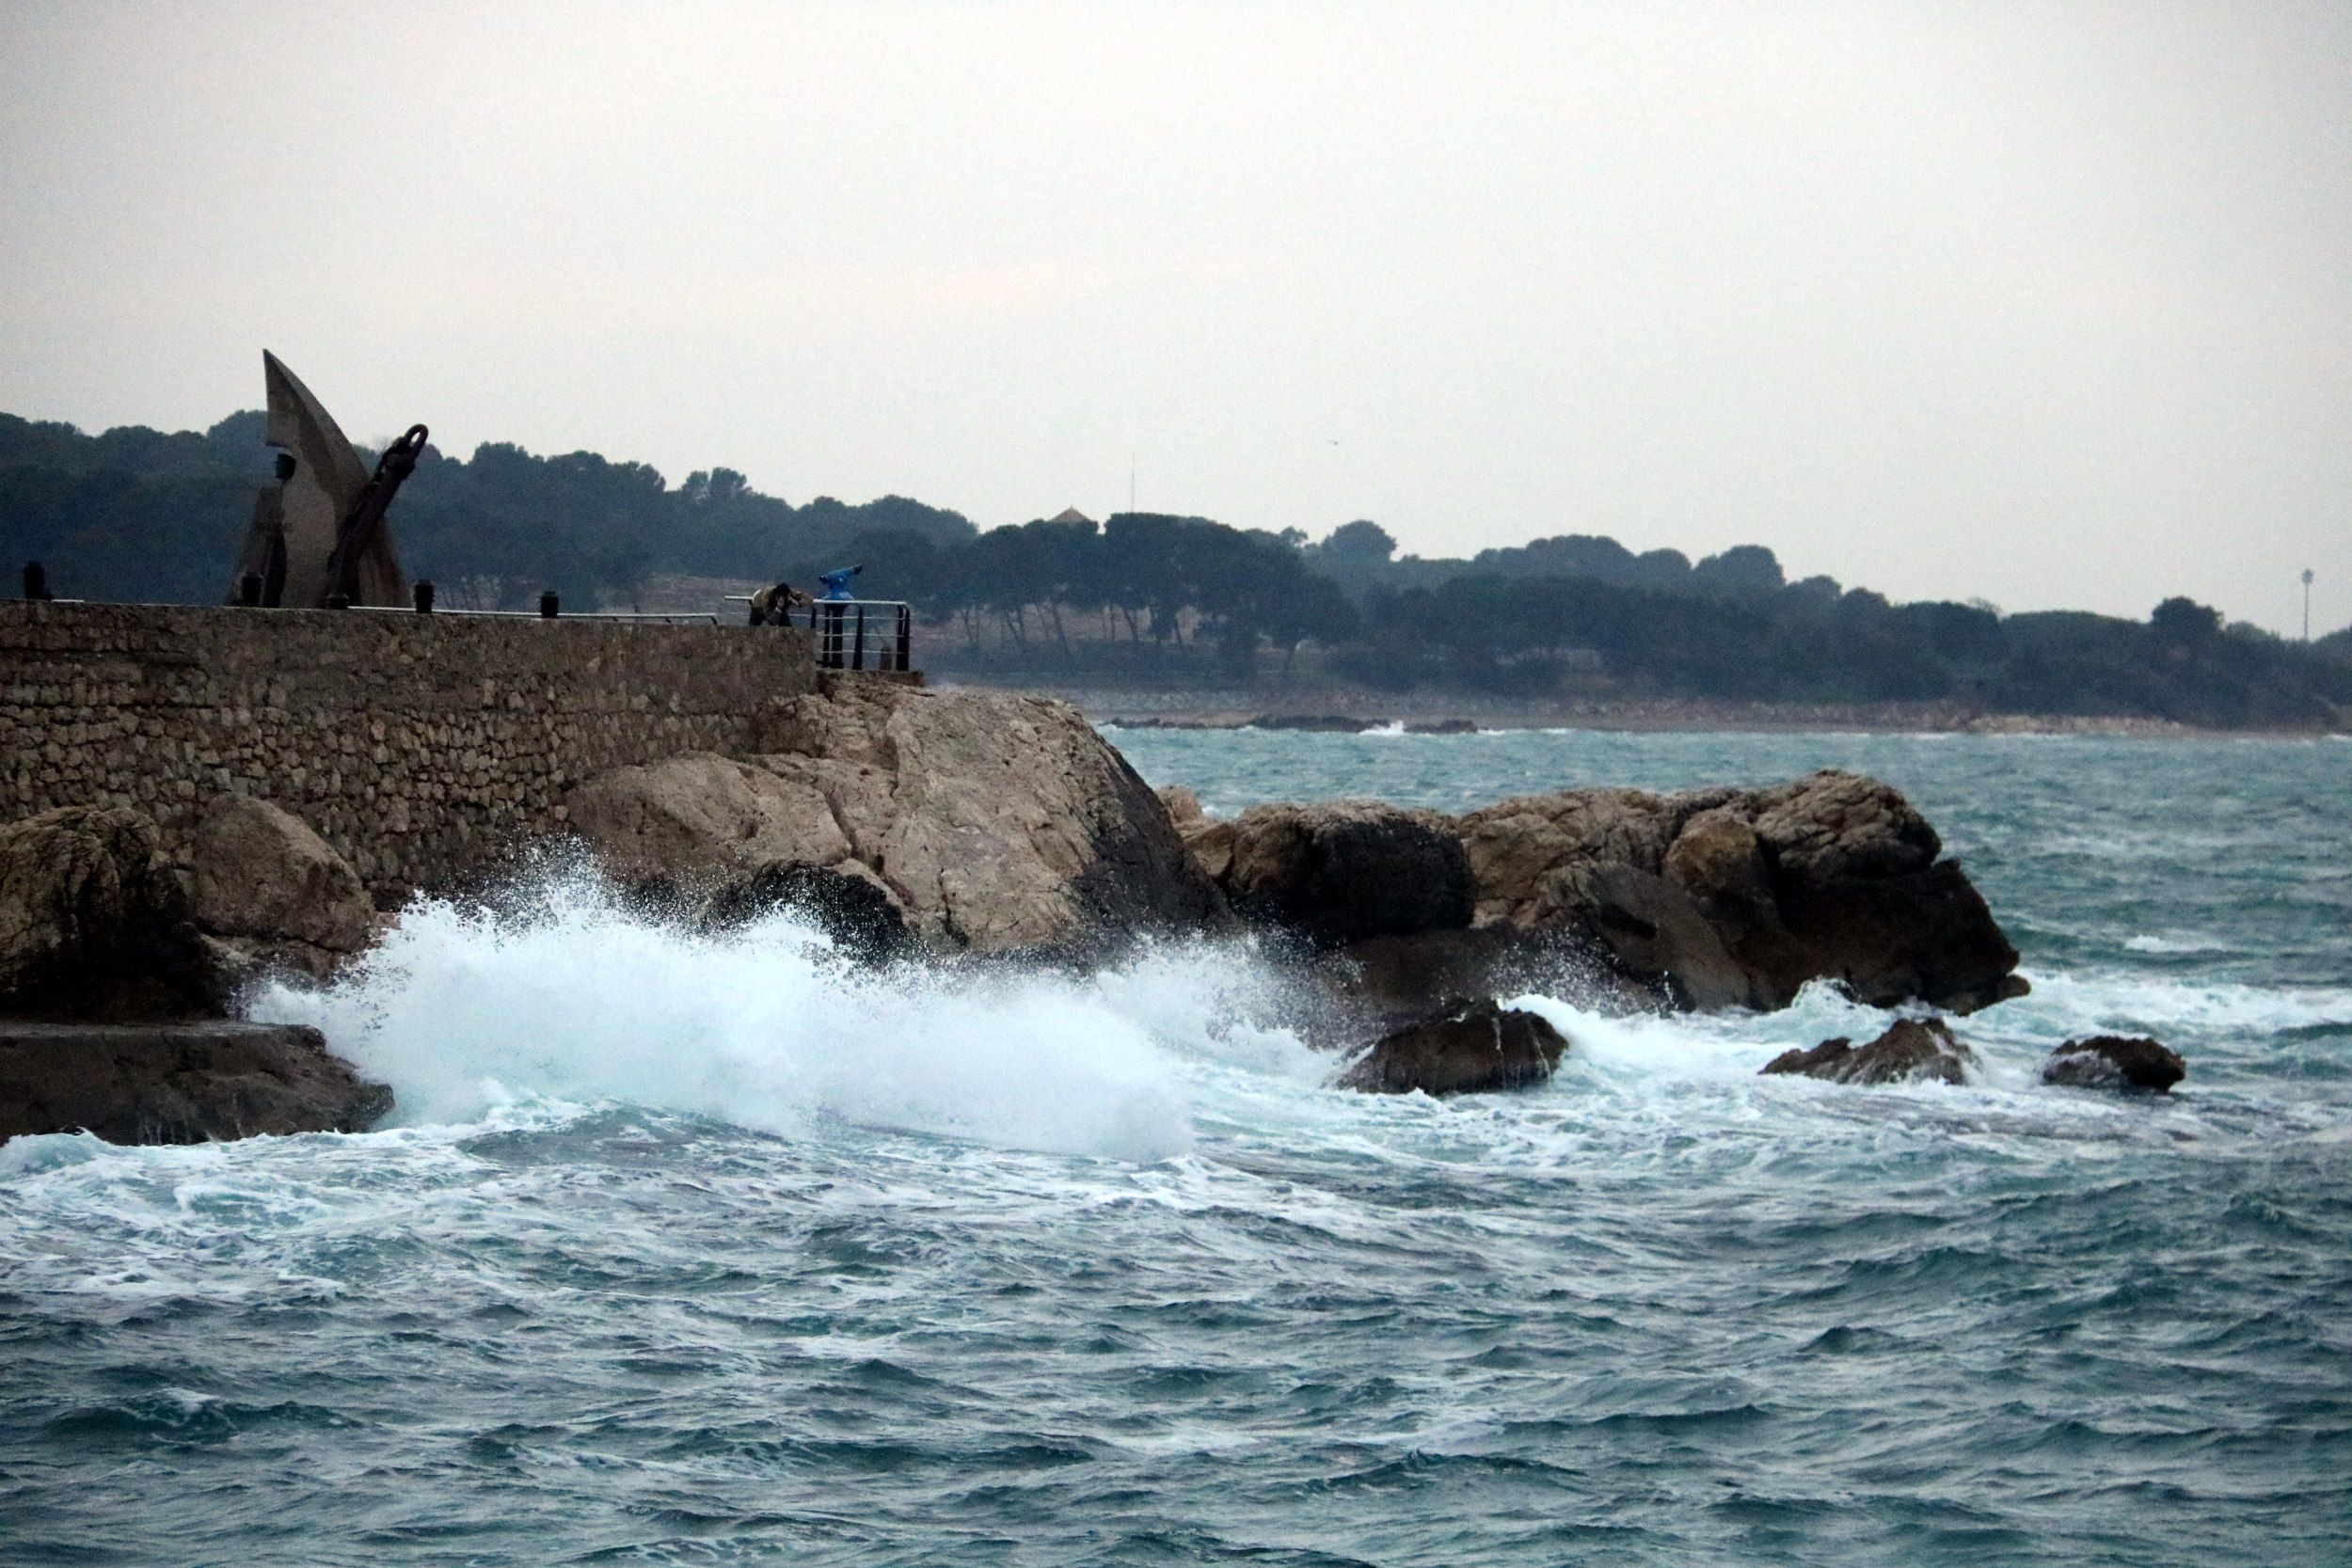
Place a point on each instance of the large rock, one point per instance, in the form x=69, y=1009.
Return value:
x=178, y=1083
x=1474, y=1048
x=268, y=893
x=994, y=822
x=2115, y=1062
x=1743, y=897
x=700, y=816
x=1910, y=1052
x=1344, y=870
x=91, y=917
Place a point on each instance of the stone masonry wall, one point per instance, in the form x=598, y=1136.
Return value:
x=418, y=745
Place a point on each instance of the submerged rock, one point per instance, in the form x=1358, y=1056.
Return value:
x=2115, y=1062
x=178, y=1083
x=1910, y=1052
x=1474, y=1048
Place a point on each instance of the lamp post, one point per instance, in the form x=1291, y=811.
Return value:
x=2307, y=603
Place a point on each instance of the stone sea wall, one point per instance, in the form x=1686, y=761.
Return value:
x=417, y=745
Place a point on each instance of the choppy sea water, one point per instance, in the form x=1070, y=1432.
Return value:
x=704, y=1252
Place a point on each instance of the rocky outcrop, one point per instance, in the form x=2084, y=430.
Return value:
x=2115, y=1062
x=91, y=918
x=266, y=893
x=1742, y=896
x=1474, y=1048
x=178, y=1083
x=994, y=822
x=1343, y=870
x=1910, y=1052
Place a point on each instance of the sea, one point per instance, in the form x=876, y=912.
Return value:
x=685, y=1250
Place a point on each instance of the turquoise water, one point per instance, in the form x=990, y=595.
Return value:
x=708, y=1253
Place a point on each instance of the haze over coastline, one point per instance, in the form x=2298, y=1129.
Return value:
x=2049, y=307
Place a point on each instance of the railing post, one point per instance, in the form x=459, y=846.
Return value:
x=549, y=605
x=423, y=595
x=249, y=591
x=857, y=649
x=36, y=580
x=906, y=635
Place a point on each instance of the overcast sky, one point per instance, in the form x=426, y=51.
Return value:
x=2049, y=303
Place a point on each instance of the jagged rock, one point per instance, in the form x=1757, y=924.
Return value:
x=846, y=901
x=1348, y=869
x=1910, y=1051
x=1183, y=806
x=91, y=918
x=266, y=892
x=1653, y=930
x=1518, y=848
x=1000, y=822
x=1474, y=1048
x=1832, y=876
x=178, y=1083
x=1441, y=727
x=2115, y=1062
x=1835, y=826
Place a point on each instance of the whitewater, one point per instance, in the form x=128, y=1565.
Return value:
x=690, y=1249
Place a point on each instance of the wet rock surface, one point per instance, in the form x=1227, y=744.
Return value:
x=178, y=1083
x=2115, y=1062
x=1468, y=1047
x=1343, y=870
x=846, y=901
x=1912, y=1051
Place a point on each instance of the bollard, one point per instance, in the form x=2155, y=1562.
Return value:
x=249, y=591
x=547, y=605
x=36, y=580
x=339, y=601
x=424, y=593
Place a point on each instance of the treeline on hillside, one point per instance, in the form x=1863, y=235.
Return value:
x=135, y=513
x=1145, y=594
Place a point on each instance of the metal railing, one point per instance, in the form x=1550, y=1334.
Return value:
x=861, y=634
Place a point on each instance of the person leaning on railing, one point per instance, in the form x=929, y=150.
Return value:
x=774, y=606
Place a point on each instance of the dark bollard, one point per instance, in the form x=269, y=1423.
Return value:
x=424, y=593
x=857, y=652
x=906, y=634
x=36, y=580
x=339, y=601
x=547, y=605
x=249, y=591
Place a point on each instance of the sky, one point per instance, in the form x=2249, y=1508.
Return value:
x=2045, y=304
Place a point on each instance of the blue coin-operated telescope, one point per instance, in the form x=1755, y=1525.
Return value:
x=837, y=583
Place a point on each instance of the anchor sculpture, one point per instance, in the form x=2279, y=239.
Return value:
x=319, y=535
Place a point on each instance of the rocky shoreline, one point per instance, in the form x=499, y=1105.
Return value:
x=965, y=826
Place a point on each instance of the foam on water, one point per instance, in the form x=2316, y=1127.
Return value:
x=577, y=999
